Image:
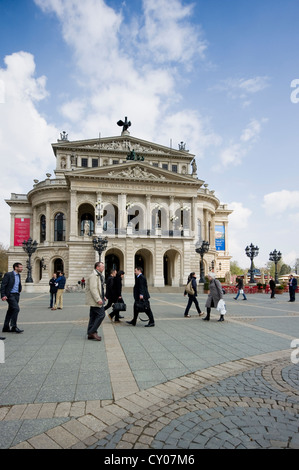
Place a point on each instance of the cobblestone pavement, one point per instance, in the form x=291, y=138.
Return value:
x=185, y=384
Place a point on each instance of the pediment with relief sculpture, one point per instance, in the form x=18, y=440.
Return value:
x=133, y=171
x=120, y=144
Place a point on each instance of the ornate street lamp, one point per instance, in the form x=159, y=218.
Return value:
x=100, y=245
x=202, y=249
x=30, y=247
x=275, y=256
x=252, y=251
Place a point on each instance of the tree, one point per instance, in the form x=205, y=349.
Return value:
x=235, y=269
x=3, y=259
x=284, y=269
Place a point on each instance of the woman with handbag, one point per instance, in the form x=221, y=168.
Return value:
x=215, y=294
x=192, y=297
x=119, y=304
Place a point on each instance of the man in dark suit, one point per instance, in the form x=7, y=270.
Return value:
x=141, y=293
x=10, y=291
x=292, y=287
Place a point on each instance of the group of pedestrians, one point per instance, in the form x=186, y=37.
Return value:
x=57, y=285
x=214, y=296
x=96, y=297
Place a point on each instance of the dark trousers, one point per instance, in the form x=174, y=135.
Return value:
x=192, y=298
x=148, y=312
x=272, y=293
x=52, y=298
x=292, y=291
x=12, y=312
x=96, y=316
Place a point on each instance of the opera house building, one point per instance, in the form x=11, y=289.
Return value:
x=143, y=199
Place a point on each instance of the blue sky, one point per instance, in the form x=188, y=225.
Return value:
x=215, y=74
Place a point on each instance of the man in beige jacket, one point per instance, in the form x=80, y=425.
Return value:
x=95, y=299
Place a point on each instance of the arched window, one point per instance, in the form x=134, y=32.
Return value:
x=42, y=235
x=59, y=227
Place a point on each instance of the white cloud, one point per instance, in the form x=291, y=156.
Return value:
x=242, y=87
x=281, y=202
x=129, y=69
x=169, y=35
x=235, y=152
x=25, y=136
x=239, y=219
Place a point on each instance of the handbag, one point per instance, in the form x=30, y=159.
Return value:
x=221, y=307
x=121, y=306
x=189, y=289
x=141, y=305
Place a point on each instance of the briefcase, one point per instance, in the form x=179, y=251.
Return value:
x=120, y=306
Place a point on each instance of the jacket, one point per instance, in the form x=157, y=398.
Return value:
x=53, y=285
x=110, y=289
x=193, y=284
x=8, y=283
x=140, y=288
x=61, y=282
x=94, y=290
x=215, y=293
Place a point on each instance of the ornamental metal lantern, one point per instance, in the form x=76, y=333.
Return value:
x=100, y=245
x=252, y=251
x=202, y=249
x=275, y=256
x=29, y=247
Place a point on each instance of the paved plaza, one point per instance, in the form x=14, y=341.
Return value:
x=184, y=384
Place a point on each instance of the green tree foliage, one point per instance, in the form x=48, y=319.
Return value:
x=235, y=269
x=3, y=259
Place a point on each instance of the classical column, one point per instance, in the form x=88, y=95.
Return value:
x=48, y=223
x=122, y=212
x=148, y=215
x=73, y=215
x=193, y=214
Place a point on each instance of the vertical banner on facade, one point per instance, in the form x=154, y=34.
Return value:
x=220, y=237
x=22, y=231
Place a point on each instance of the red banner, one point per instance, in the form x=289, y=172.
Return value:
x=22, y=231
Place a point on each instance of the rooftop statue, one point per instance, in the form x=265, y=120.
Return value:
x=126, y=124
x=133, y=156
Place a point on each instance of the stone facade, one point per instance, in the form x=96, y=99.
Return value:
x=145, y=198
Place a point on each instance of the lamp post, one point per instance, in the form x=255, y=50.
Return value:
x=275, y=256
x=252, y=251
x=202, y=249
x=100, y=245
x=29, y=247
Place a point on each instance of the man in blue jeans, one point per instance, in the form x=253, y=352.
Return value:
x=240, y=289
x=10, y=291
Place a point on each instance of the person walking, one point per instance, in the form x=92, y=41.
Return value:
x=272, y=288
x=240, y=289
x=141, y=293
x=95, y=298
x=11, y=289
x=53, y=289
x=110, y=294
x=292, y=287
x=83, y=283
x=60, y=289
x=192, y=297
x=215, y=294
x=117, y=295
